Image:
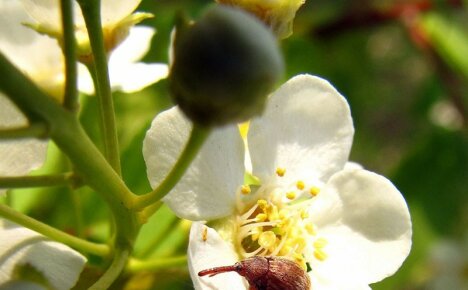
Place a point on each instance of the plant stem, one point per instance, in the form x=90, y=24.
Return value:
x=69, y=51
x=135, y=265
x=37, y=129
x=68, y=178
x=92, y=16
x=70, y=137
x=198, y=136
x=53, y=233
x=118, y=264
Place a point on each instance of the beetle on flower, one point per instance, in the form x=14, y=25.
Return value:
x=350, y=226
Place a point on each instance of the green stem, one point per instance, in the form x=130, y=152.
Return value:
x=70, y=137
x=38, y=130
x=118, y=264
x=92, y=16
x=38, y=180
x=69, y=51
x=197, y=138
x=135, y=265
x=53, y=233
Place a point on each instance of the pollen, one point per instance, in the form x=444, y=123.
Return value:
x=291, y=195
x=320, y=243
x=262, y=204
x=314, y=190
x=280, y=171
x=320, y=254
x=267, y=240
x=245, y=189
x=300, y=185
x=261, y=217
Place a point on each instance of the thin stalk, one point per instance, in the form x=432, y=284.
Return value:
x=36, y=130
x=197, y=138
x=53, y=233
x=92, y=15
x=69, y=50
x=111, y=274
x=62, y=179
x=135, y=265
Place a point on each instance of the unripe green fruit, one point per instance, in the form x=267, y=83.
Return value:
x=224, y=67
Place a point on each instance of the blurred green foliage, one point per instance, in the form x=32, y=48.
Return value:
x=402, y=65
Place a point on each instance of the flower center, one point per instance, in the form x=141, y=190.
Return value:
x=278, y=223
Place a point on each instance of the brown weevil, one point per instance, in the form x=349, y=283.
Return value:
x=267, y=273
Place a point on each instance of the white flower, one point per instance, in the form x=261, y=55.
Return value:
x=125, y=72
x=116, y=20
x=278, y=14
x=59, y=265
x=351, y=226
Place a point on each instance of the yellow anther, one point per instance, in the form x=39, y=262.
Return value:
x=314, y=190
x=255, y=233
x=285, y=251
x=300, y=185
x=245, y=189
x=291, y=195
x=261, y=217
x=283, y=213
x=310, y=229
x=267, y=240
x=300, y=260
x=262, y=204
x=280, y=171
x=320, y=255
x=320, y=243
x=304, y=214
x=273, y=214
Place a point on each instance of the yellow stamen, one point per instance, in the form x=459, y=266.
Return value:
x=261, y=217
x=310, y=229
x=314, y=190
x=304, y=214
x=280, y=171
x=291, y=195
x=320, y=243
x=300, y=185
x=245, y=189
x=320, y=255
x=262, y=204
x=267, y=240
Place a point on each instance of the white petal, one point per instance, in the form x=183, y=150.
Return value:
x=208, y=188
x=18, y=157
x=367, y=224
x=306, y=129
x=134, y=47
x=114, y=11
x=59, y=264
x=137, y=76
x=38, y=56
x=211, y=252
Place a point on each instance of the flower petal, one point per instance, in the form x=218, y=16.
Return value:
x=134, y=47
x=59, y=264
x=18, y=157
x=207, y=250
x=38, y=56
x=367, y=224
x=113, y=12
x=207, y=190
x=306, y=129
x=134, y=77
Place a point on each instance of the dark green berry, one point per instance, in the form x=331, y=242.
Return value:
x=224, y=67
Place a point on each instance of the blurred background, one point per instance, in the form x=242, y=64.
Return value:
x=402, y=65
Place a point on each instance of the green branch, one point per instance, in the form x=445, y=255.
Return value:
x=53, y=233
x=69, y=50
x=135, y=265
x=92, y=16
x=111, y=274
x=39, y=180
x=37, y=130
x=197, y=138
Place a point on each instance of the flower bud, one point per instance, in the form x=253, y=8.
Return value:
x=224, y=67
